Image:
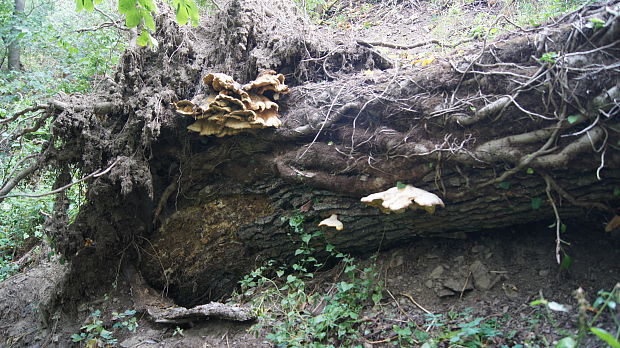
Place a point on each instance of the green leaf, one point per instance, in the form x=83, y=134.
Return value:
x=616, y=191
x=566, y=342
x=149, y=22
x=504, y=185
x=530, y=171
x=597, y=22
x=124, y=6
x=88, y=5
x=182, y=15
x=143, y=39
x=536, y=203
x=400, y=185
x=77, y=338
x=132, y=19
x=606, y=336
x=567, y=261
x=573, y=118
x=149, y=5
x=192, y=9
x=79, y=6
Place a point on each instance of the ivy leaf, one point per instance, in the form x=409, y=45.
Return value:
x=567, y=261
x=573, y=118
x=124, y=6
x=504, y=185
x=536, y=203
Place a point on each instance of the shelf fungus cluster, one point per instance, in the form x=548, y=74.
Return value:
x=397, y=199
x=230, y=108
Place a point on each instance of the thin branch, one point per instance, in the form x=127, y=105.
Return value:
x=95, y=174
x=558, y=221
x=329, y=111
x=414, y=45
x=25, y=111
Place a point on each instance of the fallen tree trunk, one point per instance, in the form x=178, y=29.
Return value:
x=501, y=135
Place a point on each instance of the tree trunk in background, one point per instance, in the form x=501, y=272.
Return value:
x=501, y=136
x=14, y=54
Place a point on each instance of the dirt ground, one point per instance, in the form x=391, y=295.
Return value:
x=521, y=265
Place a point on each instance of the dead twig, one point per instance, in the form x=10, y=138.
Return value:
x=414, y=45
x=95, y=174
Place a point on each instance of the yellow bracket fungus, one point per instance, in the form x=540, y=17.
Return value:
x=332, y=221
x=398, y=199
x=231, y=108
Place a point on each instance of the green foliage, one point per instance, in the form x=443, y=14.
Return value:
x=296, y=317
x=186, y=11
x=549, y=57
x=95, y=330
x=536, y=203
x=56, y=59
x=20, y=221
x=537, y=12
x=605, y=305
x=454, y=330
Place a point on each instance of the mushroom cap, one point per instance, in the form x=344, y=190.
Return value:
x=332, y=221
x=398, y=199
x=185, y=107
x=219, y=81
x=267, y=80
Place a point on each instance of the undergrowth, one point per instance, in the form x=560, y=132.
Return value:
x=297, y=312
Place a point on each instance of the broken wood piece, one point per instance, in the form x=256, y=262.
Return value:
x=180, y=315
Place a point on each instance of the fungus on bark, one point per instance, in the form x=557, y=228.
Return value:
x=231, y=108
x=332, y=221
x=397, y=199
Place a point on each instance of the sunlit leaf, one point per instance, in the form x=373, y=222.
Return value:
x=133, y=18
x=143, y=39
x=125, y=6
x=606, y=336
x=149, y=22
x=573, y=118
x=566, y=342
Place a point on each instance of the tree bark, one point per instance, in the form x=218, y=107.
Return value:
x=14, y=52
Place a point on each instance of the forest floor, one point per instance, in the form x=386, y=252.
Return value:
x=430, y=285
x=430, y=275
